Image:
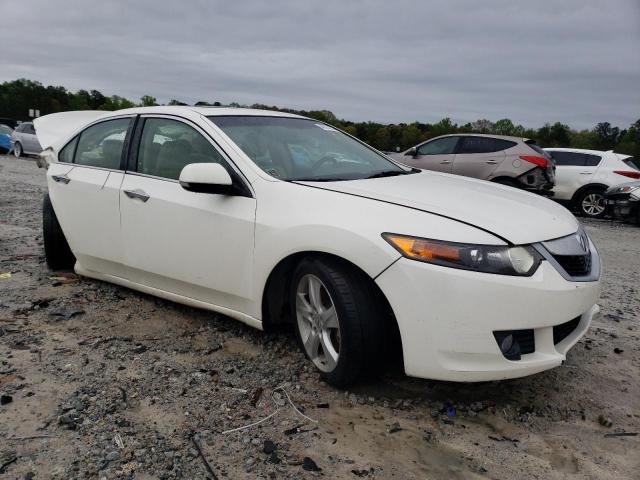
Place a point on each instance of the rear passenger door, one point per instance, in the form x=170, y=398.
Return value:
x=84, y=186
x=196, y=245
x=479, y=157
x=573, y=170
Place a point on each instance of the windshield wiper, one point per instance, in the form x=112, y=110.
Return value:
x=315, y=179
x=392, y=173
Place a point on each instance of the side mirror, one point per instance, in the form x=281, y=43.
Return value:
x=413, y=151
x=206, y=178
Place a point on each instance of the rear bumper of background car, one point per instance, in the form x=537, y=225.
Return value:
x=447, y=319
x=538, y=180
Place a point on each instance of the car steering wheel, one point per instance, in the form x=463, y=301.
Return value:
x=323, y=160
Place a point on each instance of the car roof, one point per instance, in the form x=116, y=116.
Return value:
x=206, y=111
x=487, y=135
x=579, y=150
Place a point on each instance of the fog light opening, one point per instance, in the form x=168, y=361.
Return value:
x=509, y=346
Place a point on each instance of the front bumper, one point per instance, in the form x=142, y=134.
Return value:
x=447, y=318
x=623, y=207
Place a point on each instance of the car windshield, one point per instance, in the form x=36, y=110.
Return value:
x=5, y=129
x=302, y=149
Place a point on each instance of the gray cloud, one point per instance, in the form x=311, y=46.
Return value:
x=574, y=61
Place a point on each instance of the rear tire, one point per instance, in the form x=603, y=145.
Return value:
x=348, y=344
x=56, y=249
x=590, y=203
x=17, y=150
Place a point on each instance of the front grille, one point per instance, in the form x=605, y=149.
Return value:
x=562, y=331
x=575, y=265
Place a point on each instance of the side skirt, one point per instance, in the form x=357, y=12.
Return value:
x=192, y=302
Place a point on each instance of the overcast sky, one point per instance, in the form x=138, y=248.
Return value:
x=576, y=61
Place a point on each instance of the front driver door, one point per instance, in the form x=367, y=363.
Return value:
x=84, y=186
x=196, y=245
x=436, y=155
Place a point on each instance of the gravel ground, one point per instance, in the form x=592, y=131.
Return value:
x=98, y=381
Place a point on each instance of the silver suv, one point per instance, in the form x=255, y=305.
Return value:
x=513, y=161
x=24, y=140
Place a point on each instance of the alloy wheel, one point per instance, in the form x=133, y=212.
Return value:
x=17, y=150
x=318, y=322
x=593, y=204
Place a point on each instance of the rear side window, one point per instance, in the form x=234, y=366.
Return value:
x=537, y=149
x=591, y=160
x=67, y=153
x=101, y=145
x=575, y=159
x=483, y=145
x=167, y=146
x=440, y=146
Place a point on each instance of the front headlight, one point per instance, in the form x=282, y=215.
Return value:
x=503, y=260
x=633, y=190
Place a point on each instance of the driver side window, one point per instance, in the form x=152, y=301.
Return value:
x=167, y=146
x=440, y=146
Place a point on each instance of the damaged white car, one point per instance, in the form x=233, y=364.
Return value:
x=269, y=217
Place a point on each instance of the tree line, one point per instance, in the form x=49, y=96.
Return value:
x=18, y=96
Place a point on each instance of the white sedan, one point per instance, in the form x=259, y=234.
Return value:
x=269, y=217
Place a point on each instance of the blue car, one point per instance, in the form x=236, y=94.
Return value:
x=5, y=138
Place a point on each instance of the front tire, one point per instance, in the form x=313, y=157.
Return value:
x=17, y=150
x=591, y=204
x=337, y=319
x=56, y=249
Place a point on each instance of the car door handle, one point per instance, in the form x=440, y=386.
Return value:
x=492, y=162
x=139, y=194
x=444, y=162
x=61, y=178
x=586, y=173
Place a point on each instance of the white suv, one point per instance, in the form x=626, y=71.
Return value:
x=582, y=176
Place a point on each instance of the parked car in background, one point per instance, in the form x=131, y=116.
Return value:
x=24, y=140
x=623, y=201
x=513, y=161
x=582, y=177
x=207, y=206
x=5, y=138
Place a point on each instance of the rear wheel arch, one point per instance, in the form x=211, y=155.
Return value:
x=58, y=254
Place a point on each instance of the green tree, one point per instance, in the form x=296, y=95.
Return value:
x=148, y=101
x=482, y=126
x=607, y=135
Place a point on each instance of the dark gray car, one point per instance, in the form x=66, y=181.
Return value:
x=513, y=161
x=24, y=140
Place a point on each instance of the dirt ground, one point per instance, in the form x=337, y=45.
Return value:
x=98, y=381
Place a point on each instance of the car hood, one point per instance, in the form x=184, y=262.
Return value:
x=515, y=215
